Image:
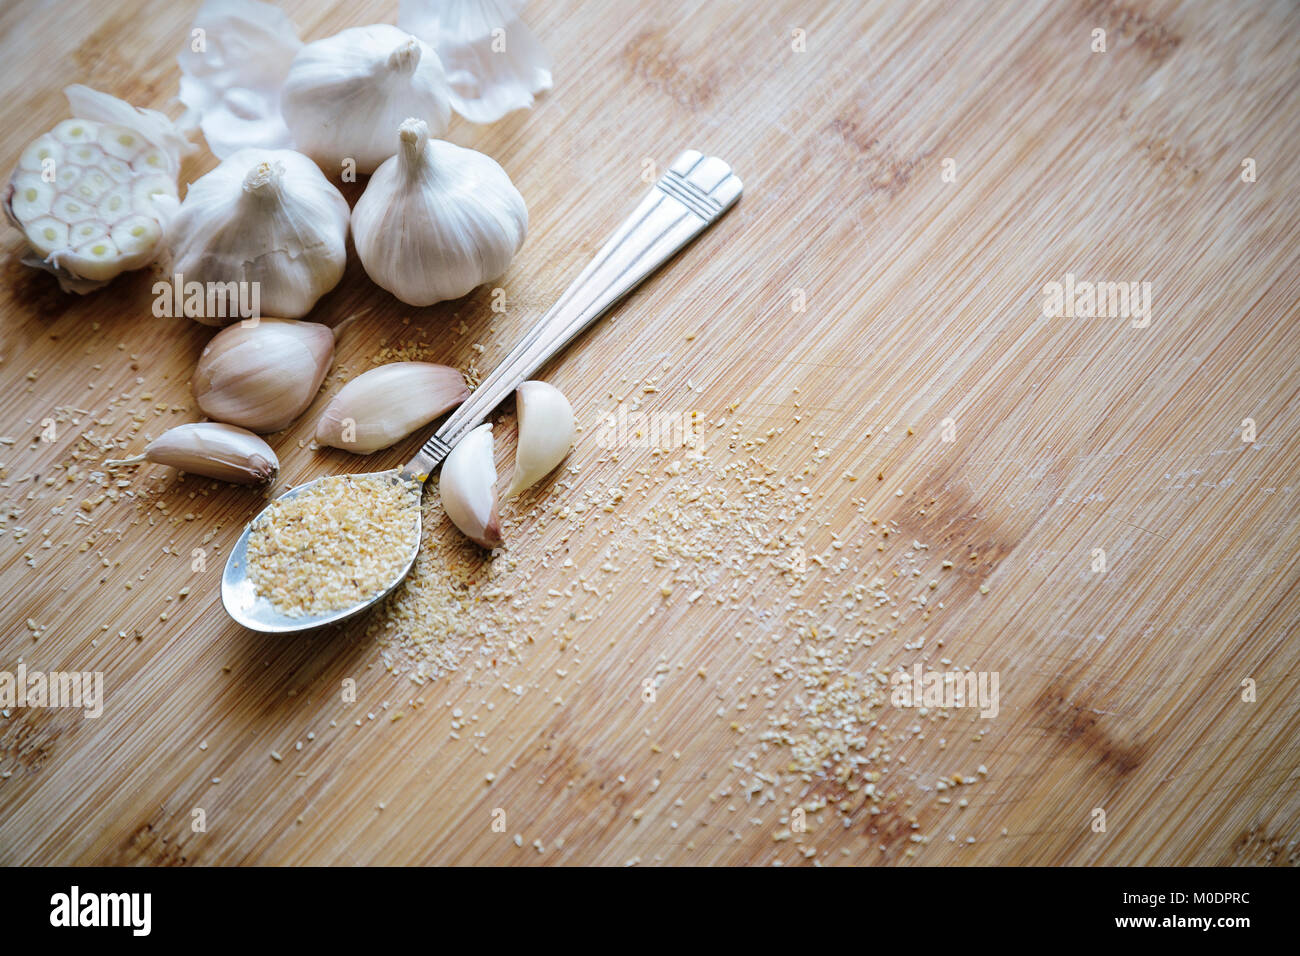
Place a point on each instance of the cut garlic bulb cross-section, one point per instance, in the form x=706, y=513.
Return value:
x=92, y=196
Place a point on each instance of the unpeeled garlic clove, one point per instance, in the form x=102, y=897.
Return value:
x=345, y=95
x=467, y=485
x=545, y=433
x=437, y=220
x=385, y=404
x=211, y=449
x=262, y=376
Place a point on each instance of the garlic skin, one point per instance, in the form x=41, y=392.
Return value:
x=261, y=377
x=437, y=220
x=546, y=430
x=264, y=216
x=385, y=404
x=233, y=82
x=211, y=449
x=494, y=63
x=467, y=485
x=345, y=95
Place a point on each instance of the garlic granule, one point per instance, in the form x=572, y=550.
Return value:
x=342, y=541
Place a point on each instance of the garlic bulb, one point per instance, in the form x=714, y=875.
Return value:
x=545, y=433
x=345, y=95
x=268, y=217
x=235, y=60
x=213, y=450
x=467, y=485
x=492, y=59
x=93, y=195
x=437, y=220
x=387, y=403
x=261, y=377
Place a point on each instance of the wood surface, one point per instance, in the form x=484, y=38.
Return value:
x=1120, y=690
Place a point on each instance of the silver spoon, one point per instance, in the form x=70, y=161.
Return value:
x=694, y=192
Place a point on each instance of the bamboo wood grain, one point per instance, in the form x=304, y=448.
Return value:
x=1120, y=690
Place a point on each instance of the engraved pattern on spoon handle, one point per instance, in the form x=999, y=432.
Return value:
x=691, y=195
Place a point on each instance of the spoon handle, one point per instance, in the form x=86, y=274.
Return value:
x=690, y=196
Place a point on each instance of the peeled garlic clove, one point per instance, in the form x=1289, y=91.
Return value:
x=74, y=193
x=261, y=377
x=268, y=217
x=213, y=450
x=235, y=60
x=387, y=403
x=346, y=94
x=437, y=220
x=492, y=59
x=467, y=485
x=545, y=433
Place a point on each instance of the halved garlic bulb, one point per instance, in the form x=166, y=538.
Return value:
x=467, y=485
x=545, y=433
x=264, y=216
x=93, y=196
x=493, y=61
x=211, y=449
x=345, y=95
x=437, y=220
x=263, y=376
x=385, y=404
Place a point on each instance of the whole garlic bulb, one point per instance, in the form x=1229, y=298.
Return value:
x=437, y=220
x=261, y=377
x=265, y=216
x=346, y=94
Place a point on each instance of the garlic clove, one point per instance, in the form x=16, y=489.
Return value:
x=268, y=218
x=437, y=220
x=232, y=79
x=493, y=61
x=546, y=432
x=385, y=404
x=467, y=484
x=214, y=450
x=262, y=376
x=345, y=95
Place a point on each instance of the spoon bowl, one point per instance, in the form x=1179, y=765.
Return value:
x=256, y=612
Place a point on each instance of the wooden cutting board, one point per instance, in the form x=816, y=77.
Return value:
x=867, y=325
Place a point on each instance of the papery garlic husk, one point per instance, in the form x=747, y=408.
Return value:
x=234, y=63
x=94, y=195
x=493, y=61
x=214, y=450
x=385, y=404
x=265, y=216
x=467, y=485
x=346, y=94
x=437, y=220
x=546, y=432
x=264, y=375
